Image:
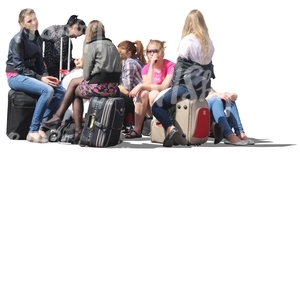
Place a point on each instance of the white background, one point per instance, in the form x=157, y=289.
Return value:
x=256, y=51
x=139, y=223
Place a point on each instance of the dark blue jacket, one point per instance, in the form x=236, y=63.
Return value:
x=25, y=55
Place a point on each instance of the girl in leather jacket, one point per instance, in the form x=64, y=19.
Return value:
x=26, y=72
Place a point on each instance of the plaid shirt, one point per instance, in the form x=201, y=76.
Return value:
x=131, y=73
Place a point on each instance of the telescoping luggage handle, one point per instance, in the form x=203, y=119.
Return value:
x=61, y=70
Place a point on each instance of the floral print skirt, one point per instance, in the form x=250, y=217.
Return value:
x=107, y=89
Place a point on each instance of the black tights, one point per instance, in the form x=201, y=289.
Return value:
x=74, y=96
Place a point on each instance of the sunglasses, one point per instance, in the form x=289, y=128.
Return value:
x=153, y=51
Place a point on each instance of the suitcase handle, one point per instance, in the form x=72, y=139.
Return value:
x=64, y=72
x=61, y=70
x=91, y=121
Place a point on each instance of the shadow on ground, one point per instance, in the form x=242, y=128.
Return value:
x=146, y=143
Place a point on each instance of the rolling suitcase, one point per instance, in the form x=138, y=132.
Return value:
x=103, y=122
x=19, y=114
x=63, y=72
x=192, y=119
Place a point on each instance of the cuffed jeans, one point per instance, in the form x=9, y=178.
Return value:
x=217, y=106
x=49, y=101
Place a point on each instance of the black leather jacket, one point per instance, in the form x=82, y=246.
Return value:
x=25, y=56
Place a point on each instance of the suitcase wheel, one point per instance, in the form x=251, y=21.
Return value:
x=14, y=136
x=53, y=136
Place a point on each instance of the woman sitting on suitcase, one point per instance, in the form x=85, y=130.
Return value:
x=101, y=76
x=195, y=48
x=133, y=60
x=157, y=76
x=26, y=72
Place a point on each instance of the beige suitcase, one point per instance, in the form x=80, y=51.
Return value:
x=158, y=133
x=192, y=119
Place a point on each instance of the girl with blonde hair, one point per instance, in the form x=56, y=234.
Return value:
x=195, y=51
x=157, y=76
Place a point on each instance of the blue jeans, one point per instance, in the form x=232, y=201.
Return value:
x=166, y=101
x=169, y=99
x=233, y=117
x=48, y=102
x=216, y=106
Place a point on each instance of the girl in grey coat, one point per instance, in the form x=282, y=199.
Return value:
x=101, y=76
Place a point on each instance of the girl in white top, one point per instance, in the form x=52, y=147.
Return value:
x=191, y=49
x=196, y=50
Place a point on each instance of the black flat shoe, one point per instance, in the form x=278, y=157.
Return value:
x=53, y=124
x=171, y=137
x=218, y=133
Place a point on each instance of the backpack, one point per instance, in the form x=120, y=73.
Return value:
x=64, y=134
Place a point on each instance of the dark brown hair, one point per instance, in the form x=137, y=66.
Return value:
x=74, y=20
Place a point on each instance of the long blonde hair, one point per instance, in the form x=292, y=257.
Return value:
x=195, y=23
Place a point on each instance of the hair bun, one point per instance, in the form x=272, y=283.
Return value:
x=72, y=20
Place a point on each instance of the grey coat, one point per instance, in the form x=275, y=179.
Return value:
x=100, y=56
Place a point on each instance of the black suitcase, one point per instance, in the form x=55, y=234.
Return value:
x=19, y=114
x=103, y=122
